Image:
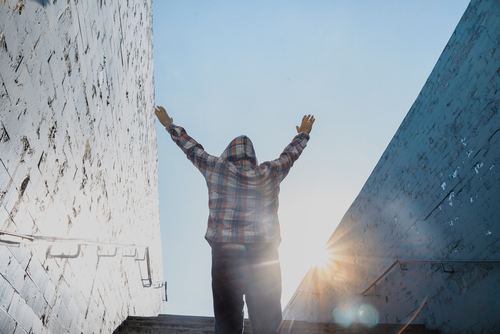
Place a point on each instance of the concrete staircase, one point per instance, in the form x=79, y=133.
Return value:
x=174, y=324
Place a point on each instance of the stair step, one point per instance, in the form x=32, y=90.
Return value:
x=171, y=324
x=175, y=324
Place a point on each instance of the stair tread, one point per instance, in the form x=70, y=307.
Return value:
x=200, y=325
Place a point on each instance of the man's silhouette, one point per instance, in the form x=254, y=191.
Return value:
x=243, y=228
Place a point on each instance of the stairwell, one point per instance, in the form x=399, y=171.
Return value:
x=173, y=324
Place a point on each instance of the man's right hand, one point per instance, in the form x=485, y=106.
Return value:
x=163, y=117
x=307, y=124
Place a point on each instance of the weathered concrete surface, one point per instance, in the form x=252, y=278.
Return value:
x=434, y=195
x=77, y=160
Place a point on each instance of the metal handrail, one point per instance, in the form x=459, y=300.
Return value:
x=426, y=261
x=44, y=240
x=52, y=240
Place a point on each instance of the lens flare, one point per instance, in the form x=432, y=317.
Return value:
x=365, y=314
x=368, y=315
x=345, y=319
x=416, y=313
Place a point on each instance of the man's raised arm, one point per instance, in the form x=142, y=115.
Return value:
x=194, y=151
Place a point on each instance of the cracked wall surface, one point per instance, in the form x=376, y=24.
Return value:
x=434, y=195
x=77, y=160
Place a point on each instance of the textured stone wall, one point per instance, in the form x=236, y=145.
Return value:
x=77, y=160
x=434, y=195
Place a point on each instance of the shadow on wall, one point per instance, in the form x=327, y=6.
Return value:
x=43, y=3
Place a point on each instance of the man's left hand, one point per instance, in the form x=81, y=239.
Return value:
x=306, y=125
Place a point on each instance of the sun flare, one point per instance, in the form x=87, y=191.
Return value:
x=323, y=258
x=319, y=256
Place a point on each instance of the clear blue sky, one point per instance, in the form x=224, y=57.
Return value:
x=225, y=68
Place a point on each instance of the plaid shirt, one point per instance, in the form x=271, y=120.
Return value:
x=242, y=195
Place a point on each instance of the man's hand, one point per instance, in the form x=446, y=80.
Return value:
x=307, y=124
x=163, y=117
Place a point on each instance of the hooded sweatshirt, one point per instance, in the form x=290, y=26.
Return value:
x=242, y=195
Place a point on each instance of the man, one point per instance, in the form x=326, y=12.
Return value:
x=243, y=227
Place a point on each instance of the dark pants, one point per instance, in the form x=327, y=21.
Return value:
x=252, y=270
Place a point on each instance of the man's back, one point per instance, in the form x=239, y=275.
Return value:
x=242, y=196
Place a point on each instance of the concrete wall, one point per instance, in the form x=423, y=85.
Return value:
x=77, y=160
x=434, y=195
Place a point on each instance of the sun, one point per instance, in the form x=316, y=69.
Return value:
x=323, y=258
x=319, y=256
